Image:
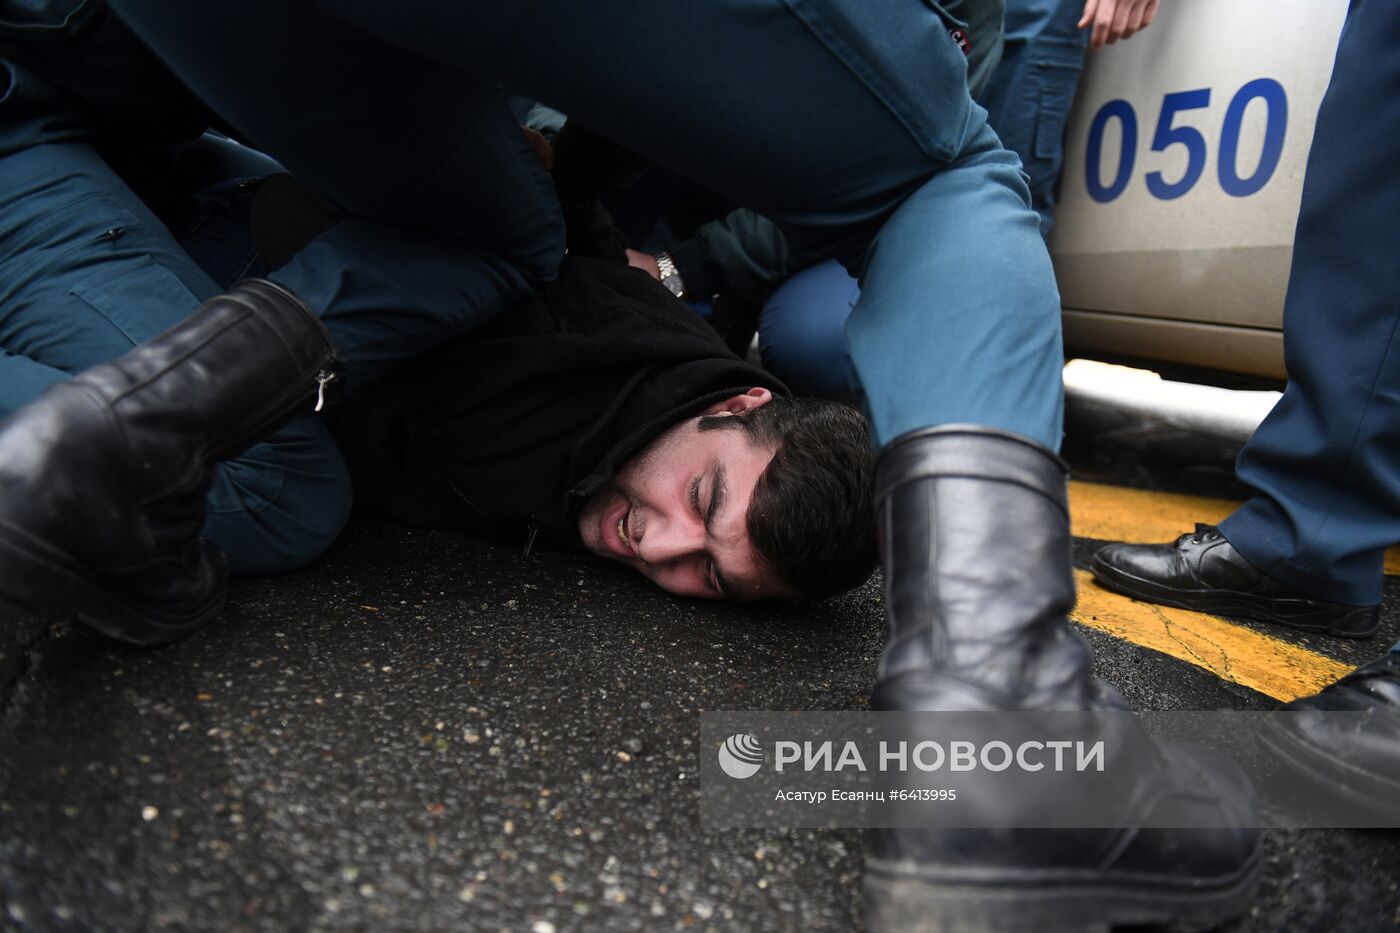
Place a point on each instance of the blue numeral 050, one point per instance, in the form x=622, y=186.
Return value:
x=1167, y=135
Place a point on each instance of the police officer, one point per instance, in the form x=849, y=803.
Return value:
x=1307, y=550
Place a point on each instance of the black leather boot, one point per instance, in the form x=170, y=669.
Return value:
x=974, y=530
x=1345, y=740
x=103, y=477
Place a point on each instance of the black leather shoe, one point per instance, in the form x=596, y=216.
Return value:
x=1346, y=739
x=103, y=477
x=975, y=543
x=1202, y=571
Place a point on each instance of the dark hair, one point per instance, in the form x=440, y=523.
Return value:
x=811, y=516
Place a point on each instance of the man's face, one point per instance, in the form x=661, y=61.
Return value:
x=677, y=511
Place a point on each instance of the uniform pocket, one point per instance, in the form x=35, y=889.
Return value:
x=140, y=297
x=1056, y=69
x=902, y=52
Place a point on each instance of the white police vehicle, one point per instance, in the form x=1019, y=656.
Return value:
x=1184, y=161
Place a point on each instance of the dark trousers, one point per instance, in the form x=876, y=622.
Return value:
x=88, y=271
x=1326, y=461
x=1029, y=95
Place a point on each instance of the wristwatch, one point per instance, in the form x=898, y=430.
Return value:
x=670, y=275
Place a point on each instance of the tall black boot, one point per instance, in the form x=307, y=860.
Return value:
x=103, y=477
x=975, y=541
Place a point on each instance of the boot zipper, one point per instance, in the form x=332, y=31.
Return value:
x=324, y=378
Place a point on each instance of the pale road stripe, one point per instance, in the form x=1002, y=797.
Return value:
x=1137, y=516
x=1231, y=652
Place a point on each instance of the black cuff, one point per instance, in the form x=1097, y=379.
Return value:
x=689, y=257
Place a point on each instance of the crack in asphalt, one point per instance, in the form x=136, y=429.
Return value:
x=1223, y=670
x=11, y=688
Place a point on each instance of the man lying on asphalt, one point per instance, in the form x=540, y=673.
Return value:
x=605, y=412
x=602, y=412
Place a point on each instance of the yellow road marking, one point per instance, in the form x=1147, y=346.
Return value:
x=1136, y=516
x=1269, y=665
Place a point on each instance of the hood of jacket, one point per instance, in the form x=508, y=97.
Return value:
x=508, y=429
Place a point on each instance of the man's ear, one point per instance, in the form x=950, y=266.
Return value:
x=756, y=397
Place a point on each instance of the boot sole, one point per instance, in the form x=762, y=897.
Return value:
x=1294, y=613
x=45, y=579
x=901, y=901
x=1367, y=790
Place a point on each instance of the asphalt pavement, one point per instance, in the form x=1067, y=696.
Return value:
x=424, y=731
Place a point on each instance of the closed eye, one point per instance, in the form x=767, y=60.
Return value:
x=713, y=581
x=712, y=578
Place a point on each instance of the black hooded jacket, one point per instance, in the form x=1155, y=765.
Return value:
x=507, y=429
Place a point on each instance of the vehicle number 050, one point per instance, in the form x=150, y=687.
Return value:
x=1169, y=133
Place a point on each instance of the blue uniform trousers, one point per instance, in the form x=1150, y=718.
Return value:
x=87, y=271
x=802, y=332
x=1029, y=95
x=847, y=122
x=801, y=329
x=1326, y=461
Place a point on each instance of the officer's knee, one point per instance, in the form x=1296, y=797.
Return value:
x=281, y=504
x=802, y=334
